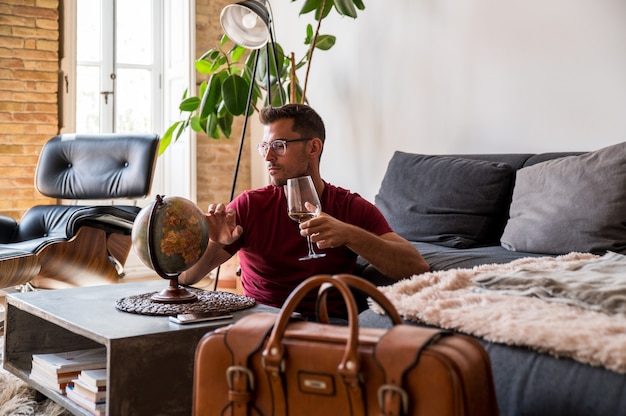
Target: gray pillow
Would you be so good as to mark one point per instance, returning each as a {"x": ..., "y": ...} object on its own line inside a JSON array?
[
  {"x": 575, "y": 203},
  {"x": 445, "y": 200}
]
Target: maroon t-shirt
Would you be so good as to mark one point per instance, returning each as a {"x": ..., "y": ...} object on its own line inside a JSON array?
[{"x": 271, "y": 244}]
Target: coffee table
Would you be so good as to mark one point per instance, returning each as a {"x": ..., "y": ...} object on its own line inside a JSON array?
[{"x": 150, "y": 359}]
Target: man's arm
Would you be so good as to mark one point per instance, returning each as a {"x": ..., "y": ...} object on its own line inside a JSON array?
[
  {"x": 212, "y": 257},
  {"x": 389, "y": 253},
  {"x": 394, "y": 256}
]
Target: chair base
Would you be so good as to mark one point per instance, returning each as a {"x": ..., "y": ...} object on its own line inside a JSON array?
[
  {"x": 17, "y": 267},
  {"x": 91, "y": 258}
]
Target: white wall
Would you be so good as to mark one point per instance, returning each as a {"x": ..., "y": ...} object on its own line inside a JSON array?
[{"x": 474, "y": 76}]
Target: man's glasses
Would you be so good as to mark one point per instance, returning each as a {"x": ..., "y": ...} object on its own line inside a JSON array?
[{"x": 279, "y": 147}]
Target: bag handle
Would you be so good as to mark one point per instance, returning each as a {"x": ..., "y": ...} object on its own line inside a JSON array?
[
  {"x": 361, "y": 285},
  {"x": 348, "y": 368},
  {"x": 274, "y": 350}
]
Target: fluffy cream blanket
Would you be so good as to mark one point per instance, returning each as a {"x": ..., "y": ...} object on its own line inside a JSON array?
[{"x": 450, "y": 299}]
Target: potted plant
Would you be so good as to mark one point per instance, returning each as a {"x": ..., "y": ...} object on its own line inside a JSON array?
[{"x": 224, "y": 95}]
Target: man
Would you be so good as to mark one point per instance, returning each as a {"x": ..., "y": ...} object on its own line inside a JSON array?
[{"x": 269, "y": 243}]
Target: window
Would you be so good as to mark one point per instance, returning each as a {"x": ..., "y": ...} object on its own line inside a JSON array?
[
  {"x": 125, "y": 65},
  {"x": 118, "y": 65}
]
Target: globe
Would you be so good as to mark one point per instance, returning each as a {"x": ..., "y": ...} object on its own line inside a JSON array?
[{"x": 170, "y": 236}]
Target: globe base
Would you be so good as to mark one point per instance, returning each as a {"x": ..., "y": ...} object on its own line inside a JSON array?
[{"x": 174, "y": 294}]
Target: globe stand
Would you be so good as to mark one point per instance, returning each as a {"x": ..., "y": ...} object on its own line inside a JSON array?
[{"x": 174, "y": 293}]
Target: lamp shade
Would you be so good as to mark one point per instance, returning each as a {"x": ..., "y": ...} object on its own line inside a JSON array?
[{"x": 246, "y": 23}]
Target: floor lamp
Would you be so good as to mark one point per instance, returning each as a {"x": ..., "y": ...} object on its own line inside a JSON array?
[{"x": 249, "y": 24}]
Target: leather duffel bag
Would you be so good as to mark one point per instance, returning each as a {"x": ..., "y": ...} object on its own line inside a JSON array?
[{"x": 271, "y": 364}]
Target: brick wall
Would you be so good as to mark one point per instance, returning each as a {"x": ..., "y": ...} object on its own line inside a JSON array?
[
  {"x": 29, "y": 44},
  {"x": 216, "y": 158}
]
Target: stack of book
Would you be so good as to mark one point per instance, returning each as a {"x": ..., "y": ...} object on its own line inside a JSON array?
[
  {"x": 89, "y": 390},
  {"x": 56, "y": 370}
]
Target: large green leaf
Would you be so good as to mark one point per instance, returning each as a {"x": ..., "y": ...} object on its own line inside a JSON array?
[
  {"x": 277, "y": 98},
  {"x": 309, "y": 6},
  {"x": 204, "y": 67},
  {"x": 221, "y": 109},
  {"x": 210, "y": 55},
  {"x": 225, "y": 123},
  {"x": 345, "y": 7},
  {"x": 223, "y": 75},
  {"x": 189, "y": 104},
  {"x": 235, "y": 94},
  {"x": 202, "y": 88},
  {"x": 166, "y": 138},
  {"x": 211, "y": 127},
  {"x": 262, "y": 65},
  {"x": 237, "y": 52},
  {"x": 256, "y": 91},
  {"x": 320, "y": 7},
  {"x": 211, "y": 96},
  {"x": 196, "y": 123},
  {"x": 309, "y": 34},
  {"x": 181, "y": 129},
  {"x": 325, "y": 42},
  {"x": 220, "y": 62},
  {"x": 359, "y": 4},
  {"x": 321, "y": 13}
]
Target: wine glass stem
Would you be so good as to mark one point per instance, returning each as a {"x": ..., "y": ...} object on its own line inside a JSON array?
[{"x": 311, "y": 251}]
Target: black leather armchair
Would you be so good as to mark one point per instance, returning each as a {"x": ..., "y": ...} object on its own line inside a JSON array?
[{"x": 54, "y": 246}]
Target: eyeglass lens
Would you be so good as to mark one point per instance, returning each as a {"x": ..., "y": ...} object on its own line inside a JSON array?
[{"x": 278, "y": 147}]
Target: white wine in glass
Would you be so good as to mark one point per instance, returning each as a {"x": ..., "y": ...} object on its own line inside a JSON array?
[{"x": 301, "y": 191}]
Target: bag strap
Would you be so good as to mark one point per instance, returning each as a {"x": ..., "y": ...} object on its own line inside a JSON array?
[
  {"x": 363, "y": 286},
  {"x": 243, "y": 339},
  {"x": 348, "y": 367},
  {"x": 395, "y": 353}
]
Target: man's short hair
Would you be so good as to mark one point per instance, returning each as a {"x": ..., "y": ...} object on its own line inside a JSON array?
[{"x": 306, "y": 121}]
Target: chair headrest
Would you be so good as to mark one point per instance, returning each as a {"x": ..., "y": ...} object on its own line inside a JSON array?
[{"x": 97, "y": 166}]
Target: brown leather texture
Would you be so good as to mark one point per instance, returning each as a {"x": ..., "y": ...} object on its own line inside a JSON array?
[{"x": 268, "y": 364}]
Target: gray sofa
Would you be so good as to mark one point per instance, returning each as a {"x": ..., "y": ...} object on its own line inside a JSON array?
[{"x": 462, "y": 211}]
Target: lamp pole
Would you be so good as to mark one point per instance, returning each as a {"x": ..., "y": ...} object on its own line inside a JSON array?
[{"x": 248, "y": 24}]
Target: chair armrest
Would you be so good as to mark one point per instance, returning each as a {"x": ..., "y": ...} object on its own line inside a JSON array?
[
  {"x": 110, "y": 218},
  {"x": 8, "y": 227}
]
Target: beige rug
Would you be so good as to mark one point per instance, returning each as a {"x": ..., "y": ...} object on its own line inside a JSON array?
[{"x": 449, "y": 299}]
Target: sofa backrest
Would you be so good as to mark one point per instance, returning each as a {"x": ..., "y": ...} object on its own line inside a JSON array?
[{"x": 459, "y": 200}]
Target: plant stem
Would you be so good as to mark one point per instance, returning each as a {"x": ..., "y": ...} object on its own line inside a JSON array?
[
  {"x": 292, "y": 75},
  {"x": 308, "y": 66}
]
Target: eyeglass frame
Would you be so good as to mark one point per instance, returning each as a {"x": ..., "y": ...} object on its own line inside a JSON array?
[{"x": 264, "y": 147}]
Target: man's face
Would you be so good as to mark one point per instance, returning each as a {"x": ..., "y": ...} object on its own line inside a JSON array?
[{"x": 295, "y": 162}]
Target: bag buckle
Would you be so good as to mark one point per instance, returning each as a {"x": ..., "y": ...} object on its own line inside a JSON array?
[
  {"x": 404, "y": 397},
  {"x": 239, "y": 369},
  {"x": 271, "y": 367}
]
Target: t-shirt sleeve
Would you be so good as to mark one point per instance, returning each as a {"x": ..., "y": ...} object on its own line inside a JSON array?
[{"x": 370, "y": 218}]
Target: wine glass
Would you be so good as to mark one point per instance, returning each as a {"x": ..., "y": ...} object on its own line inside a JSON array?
[{"x": 299, "y": 192}]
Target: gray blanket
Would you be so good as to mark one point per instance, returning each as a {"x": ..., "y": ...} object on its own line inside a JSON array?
[{"x": 598, "y": 285}]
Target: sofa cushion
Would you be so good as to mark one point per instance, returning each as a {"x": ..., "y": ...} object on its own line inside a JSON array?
[
  {"x": 575, "y": 203},
  {"x": 450, "y": 201}
]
